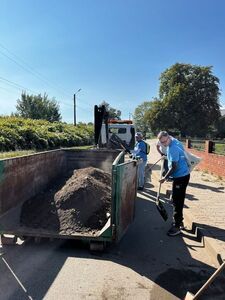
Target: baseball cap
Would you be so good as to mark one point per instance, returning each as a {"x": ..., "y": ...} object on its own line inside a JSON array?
[{"x": 139, "y": 134}]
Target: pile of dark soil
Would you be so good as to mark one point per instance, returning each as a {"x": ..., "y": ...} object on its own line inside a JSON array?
[{"x": 78, "y": 204}]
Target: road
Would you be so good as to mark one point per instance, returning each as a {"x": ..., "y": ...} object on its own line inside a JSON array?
[{"x": 146, "y": 264}]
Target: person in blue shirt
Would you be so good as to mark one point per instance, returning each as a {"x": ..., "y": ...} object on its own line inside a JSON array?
[
  {"x": 140, "y": 152},
  {"x": 180, "y": 174}
]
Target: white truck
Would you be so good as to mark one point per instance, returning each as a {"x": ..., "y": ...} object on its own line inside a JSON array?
[{"x": 106, "y": 129}]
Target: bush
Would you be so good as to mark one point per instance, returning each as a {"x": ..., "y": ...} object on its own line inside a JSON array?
[{"x": 23, "y": 134}]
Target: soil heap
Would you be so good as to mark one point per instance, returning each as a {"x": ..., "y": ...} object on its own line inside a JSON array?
[{"x": 80, "y": 203}]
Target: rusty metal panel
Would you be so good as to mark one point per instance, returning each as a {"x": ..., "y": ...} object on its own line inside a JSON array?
[
  {"x": 23, "y": 177},
  {"x": 98, "y": 158}
]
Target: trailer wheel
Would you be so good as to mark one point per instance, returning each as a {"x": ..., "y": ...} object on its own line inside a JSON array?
[{"x": 97, "y": 246}]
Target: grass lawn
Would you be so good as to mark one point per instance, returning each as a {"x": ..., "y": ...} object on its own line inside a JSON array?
[{"x": 10, "y": 154}]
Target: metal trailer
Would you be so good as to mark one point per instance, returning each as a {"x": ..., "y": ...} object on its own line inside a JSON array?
[{"x": 22, "y": 178}]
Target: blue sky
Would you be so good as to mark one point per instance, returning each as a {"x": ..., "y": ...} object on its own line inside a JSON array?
[{"x": 113, "y": 50}]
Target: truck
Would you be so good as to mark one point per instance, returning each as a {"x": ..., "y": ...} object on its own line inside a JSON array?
[
  {"x": 22, "y": 178},
  {"x": 106, "y": 129}
]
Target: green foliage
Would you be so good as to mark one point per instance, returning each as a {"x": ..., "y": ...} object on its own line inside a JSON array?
[
  {"x": 220, "y": 127},
  {"x": 189, "y": 100},
  {"x": 113, "y": 112},
  {"x": 139, "y": 117},
  {"x": 38, "y": 108},
  {"x": 23, "y": 134},
  {"x": 220, "y": 148}
]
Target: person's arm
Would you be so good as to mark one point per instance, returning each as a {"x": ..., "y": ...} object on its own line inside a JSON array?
[
  {"x": 170, "y": 172},
  {"x": 158, "y": 149}
]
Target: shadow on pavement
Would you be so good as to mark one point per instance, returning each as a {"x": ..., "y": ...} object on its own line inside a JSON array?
[
  {"x": 207, "y": 187},
  {"x": 145, "y": 248}
]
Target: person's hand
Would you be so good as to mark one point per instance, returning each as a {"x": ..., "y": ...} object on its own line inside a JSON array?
[{"x": 162, "y": 180}]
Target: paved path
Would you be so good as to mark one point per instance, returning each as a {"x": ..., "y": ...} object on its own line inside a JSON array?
[{"x": 204, "y": 206}]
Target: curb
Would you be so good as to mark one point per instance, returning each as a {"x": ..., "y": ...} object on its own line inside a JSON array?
[{"x": 208, "y": 242}]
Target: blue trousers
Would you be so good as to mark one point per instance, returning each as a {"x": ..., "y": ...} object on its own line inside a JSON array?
[{"x": 141, "y": 173}]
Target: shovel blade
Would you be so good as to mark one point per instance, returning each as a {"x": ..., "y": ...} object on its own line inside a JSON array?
[{"x": 161, "y": 209}]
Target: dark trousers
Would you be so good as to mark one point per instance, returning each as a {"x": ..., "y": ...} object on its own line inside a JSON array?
[{"x": 178, "y": 195}]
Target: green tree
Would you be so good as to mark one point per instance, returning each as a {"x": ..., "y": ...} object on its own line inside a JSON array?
[
  {"x": 190, "y": 96},
  {"x": 113, "y": 112},
  {"x": 38, "y": 107},
  {"x": 220, "y": 127},
  {"x": 155, "y": 116},
  {"x": 139, "y": 117}
]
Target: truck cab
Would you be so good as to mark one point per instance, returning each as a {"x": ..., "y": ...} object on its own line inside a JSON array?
[
  {"x": 124, "y": 129},
  {"x": 106, "y": 129}
]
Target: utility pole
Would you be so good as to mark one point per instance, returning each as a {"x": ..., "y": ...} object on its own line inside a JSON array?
[{"x": 74, "y": 108}]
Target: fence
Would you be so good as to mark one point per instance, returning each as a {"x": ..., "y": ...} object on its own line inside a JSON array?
[{"x": 212, "y": 162}]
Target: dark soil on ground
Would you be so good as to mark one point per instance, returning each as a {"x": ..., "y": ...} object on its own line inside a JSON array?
[{"x": 80, "y": 203}]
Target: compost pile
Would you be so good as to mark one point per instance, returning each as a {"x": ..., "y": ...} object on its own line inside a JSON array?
[{"x": 79, "y": 203}]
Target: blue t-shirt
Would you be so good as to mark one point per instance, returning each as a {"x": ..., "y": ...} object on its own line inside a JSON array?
[
  {"x": 175, "y": 153},
  {"x": 140, "y": 150}
]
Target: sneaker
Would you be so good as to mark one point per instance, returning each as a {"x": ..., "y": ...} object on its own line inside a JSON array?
[
  {"x": 173, "y": 231},
  {"x": 181, "y": 225}
]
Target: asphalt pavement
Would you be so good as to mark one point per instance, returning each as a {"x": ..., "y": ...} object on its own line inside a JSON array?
[{"x": 145, "y": 264}]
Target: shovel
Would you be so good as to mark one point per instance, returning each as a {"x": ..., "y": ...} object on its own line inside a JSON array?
[
  {"x": 190, "y": 296},
  {"x": 155, "y": 163},
  {"x": 159, "y": 205},
  {"x": 158, "y": 202}
]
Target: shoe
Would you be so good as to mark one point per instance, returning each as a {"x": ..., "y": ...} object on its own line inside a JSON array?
[
  {"x": 181, "y": 225},
  {"x": 140, "y": 188},
  {"x": 173, "y": 231}
]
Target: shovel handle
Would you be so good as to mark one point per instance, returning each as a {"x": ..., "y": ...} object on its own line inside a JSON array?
[
  {"x": 219, "y": 270},
  {"x": 156, "y": 162}
]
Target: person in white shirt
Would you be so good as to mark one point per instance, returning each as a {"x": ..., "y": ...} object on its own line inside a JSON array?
[{"x": 162, "y": 151}]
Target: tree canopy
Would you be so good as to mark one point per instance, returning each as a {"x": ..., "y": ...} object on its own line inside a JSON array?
[
  {"x": 113, "y": 112},
  {"x": 38, "y": 107},
  {"x": 188, "y": 100},
  {"x": 140, "y": 115}
]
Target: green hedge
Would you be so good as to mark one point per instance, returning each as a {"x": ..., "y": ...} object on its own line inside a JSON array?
[{"x": 23, "y": 134}]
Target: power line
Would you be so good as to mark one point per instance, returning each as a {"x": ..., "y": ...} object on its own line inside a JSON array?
[
  {"x": 18, "y": 86},
  {"x": 3, "y": 88},
  {"x": 15, "y": 85},
  {"x": 29, "y": 69}
]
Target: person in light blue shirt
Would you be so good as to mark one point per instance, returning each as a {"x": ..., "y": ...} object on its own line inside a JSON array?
[
  {"x": 179, "y": 172},
  {"x": 175, "y": 153},
  {"x": 140, "y": 152}
]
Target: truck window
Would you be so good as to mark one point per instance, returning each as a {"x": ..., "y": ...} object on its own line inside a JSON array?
[
  {"x": 113, "y": 130},
  {"x": 118, "y": 130},
  {"x": 122, "y": 130}
]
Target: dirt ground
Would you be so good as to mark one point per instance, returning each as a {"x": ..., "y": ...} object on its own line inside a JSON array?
[{"x": 78, "y": 203}]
